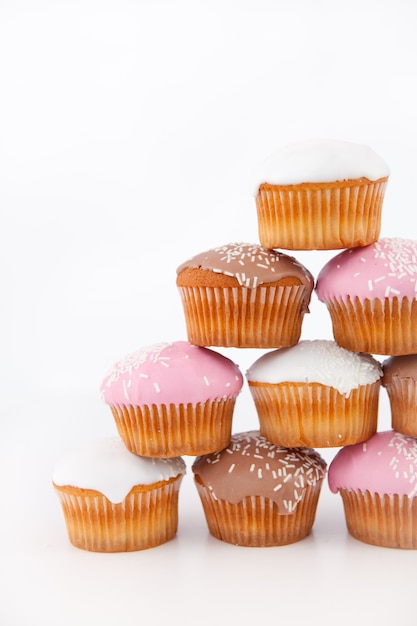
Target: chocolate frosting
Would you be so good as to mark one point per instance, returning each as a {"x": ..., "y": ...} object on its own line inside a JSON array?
[
  {"x": 250, "y": 264},
  {"x": 404, "y": 366},
  {"x": 253, "y": 466}
]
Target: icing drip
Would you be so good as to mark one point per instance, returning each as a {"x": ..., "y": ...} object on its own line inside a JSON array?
[
  {"x": 106, "y": 465},
  {"x": 171, "y": 373},
  {"x": 385, "y": 464},
  {"x": 252, "y": 465},
  {"x": 384, "y": 269},
  {"x": 320, "y": 361},
  {"x": 250, "y": 264},
  {"x": 320, "y": 160},
  {"x": 397, "y": 367}
]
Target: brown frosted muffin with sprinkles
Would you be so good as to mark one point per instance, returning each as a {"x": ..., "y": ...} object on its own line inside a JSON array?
[
  {"x": 242, "y": 295},
  {"x": 255, "y": 493},
  {"x": 400, "y": 381}
]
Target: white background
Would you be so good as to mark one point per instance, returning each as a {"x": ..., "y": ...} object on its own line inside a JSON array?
[{"x": 128, "y": 133}]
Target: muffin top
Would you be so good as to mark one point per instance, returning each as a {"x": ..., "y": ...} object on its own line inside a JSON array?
[
  {"x": 316, "y": 361},
  {"x": 384, "y": 269},
  {"x": 318, "y": 161},
  {"x": 250, "y": 265},
  {"x": 171, "y": 373},
  {"x": 253, "y": 466},
  {"x": 398, "y": 367},
  {"x": 106, "y": 465},
  {"x": 385, "y": 464}
]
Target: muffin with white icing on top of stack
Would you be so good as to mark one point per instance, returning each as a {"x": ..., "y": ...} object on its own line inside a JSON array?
[{"x": 320, "y": 195}]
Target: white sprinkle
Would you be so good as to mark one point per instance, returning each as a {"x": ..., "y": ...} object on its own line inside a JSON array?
[
  {"x": 252, "y": 467},
  {"x": 370, "y": 285},
  {"x": 143, "y": 376},
  {"x": 231, "y": 468},
  {"x": 259, "y": 472},
  {"x": 206, "y": 380},
  {"x": 277, "y": 487},
  {"x": 157, "y": 387}
]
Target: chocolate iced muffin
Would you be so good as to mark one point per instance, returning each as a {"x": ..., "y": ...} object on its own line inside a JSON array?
[
  {"x": 255, "y": 493},
  {"x": 245, "y": 296}
]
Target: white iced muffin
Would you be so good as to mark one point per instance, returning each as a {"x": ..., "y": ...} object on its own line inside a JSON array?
[
  {"x": 320, "y": 195},
  {"x": 116, "y": 501},
  {"x": 316, "y": 394}
]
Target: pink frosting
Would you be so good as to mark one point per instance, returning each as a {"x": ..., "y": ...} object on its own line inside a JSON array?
[
  {"x": 385, "y": 464},
  {"x": 384, "y": 269},
  {"x": 171, "y": 373}
]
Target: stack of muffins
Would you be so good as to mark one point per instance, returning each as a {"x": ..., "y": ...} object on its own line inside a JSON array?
[{"x": 261, "y": 487}]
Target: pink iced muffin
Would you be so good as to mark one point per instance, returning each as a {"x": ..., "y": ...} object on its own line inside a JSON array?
[
  {"x": 377, "y": 480},
  {"x": 173, "y": 399},
  {"x": 371, "y": 295}
]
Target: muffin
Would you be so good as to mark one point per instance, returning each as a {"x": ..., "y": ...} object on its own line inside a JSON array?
[
  {"x": 255, "y": 493},
  {"x": 400, "y": 381},
  {"x": 320, "y": 195},
  {"x": 173, "y": 399},
  {"x": 316, "y": 394},
  {"x": 371, "y": 295},
  {"x": 241, "y": 295},
  {"x": 377, "y": 483},
  {"x": 115, "y": 501}
]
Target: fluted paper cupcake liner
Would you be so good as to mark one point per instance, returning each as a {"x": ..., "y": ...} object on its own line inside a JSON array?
[
  {"x": 263, "y": 317},
  {"x": 388, "y": 521},
  {"x": 386, "y": 327},
  {"x": 175, "y": 430},
  {"x": 146, "y": 518},
  {"x": 312, "y": 216},
  {"x": 256, "y": 521},
  {"x": 402, "y": 396},
  {"x": 314, "y": 415}
]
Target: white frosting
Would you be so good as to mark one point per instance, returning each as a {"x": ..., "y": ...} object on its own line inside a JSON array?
[
  {"x": 107, "y": 466},
  {"x": 318, "y": 161},
  {"x": 320, "y": 361}
]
